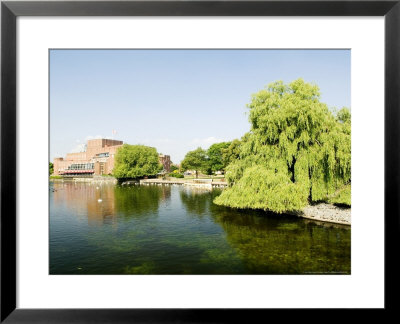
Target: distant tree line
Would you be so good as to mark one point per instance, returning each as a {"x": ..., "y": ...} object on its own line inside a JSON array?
[{"x": 216, "y": 158}]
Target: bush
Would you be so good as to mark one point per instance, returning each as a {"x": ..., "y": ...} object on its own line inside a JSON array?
[{"x": 176, "y": 175}]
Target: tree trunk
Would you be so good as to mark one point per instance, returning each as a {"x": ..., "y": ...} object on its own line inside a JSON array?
[
  {"x": 310, "y": 177},
  {"x": 291, "y": 169}
]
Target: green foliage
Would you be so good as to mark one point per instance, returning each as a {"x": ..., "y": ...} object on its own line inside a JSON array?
[
  {"x": 176, "y": 174},
  {"x": 51, "y": 168},
  {"x": 262, "y": 188},
  {"x": 173, "y": 167},
  {"x": 297, "y": 151},
  {"x": 344, "y": 116},
  {"x": 136, "y": 161},
  {"x": 342, "y": 196},
  {"x": 231, "y": 153},
  {"x": 215, "y": 156},
  {"x": 195, "y": 160}
]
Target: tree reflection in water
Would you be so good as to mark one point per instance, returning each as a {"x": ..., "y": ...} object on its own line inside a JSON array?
[
  {"x": 282, "y": 244},
  {"x": 139, "y": 201},
  {"x": 269, "y": 243},
  {"x": 196, "y": 200}
]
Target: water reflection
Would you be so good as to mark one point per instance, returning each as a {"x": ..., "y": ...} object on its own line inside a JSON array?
[
  {"x": 100, "y": 202},
  {"x": 139, "y": 201},
  {"x": 96, "y": 202},
  {"x": 270, "y": 243},
  {"x": 178, "y": 230},
  {"x": 196, "y": 201},
  {"x": 282, "y": 244}
]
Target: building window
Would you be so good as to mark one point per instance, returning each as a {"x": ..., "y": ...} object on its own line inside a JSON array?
[{"x": 81, "y": 166}]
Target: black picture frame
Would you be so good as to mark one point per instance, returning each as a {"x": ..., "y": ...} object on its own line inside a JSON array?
[{"x": 10, "y": 10}]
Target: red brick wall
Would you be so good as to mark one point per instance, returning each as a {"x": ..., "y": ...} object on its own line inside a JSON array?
[
  {"x": 94, "y": 147},
  {"x": 165, "y": 160}
]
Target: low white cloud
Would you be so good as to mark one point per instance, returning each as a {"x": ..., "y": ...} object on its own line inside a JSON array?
[
  {"x": 81, "y": 145},
  {"x": 206, "y": 142},
  {"x": 79, "y": 148},
  {"x": 90, "y": 137}
]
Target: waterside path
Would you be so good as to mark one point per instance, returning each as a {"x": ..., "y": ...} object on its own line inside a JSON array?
[{"x": 192, "y": 182}]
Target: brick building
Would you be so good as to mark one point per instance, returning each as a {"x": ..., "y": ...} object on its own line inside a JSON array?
[
  {"x": 98, "y": 159},
  {"x": 165, "y": 160}
]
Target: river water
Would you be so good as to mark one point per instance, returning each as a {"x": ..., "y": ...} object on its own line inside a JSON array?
[{"x": 170, "y": 229}]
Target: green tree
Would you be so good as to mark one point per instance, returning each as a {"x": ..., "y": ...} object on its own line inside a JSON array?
[
  {"x": 231, "y": 153},
  {"x": 344, "y": 116},
  {"x": 215, "y": 156},
  {"x": 195, "y": 160},
  {"x": 297, "y": 151},
  {"x": 51, "y": 168},
  {"x": 173, "y": 167},
  {"x": 136, "y": 161}
]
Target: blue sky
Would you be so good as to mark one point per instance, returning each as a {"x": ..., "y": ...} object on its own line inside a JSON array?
[{"x": 175, "y": 100}]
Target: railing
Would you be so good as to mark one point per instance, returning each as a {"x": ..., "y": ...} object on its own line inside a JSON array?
[
  {"x": 201, "y": 181},
  {"x": 76, "y": 171}
]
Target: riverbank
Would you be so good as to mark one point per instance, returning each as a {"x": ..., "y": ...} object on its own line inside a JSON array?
[
  {"x": 327, "y": 213},
  {"x": 203, "y": 183},
  {"x": 95, "y": 179},
  {"x": 320, "y": 212}
]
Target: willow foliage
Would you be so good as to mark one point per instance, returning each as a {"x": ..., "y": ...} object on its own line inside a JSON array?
[{"x": 297, "y": 151}]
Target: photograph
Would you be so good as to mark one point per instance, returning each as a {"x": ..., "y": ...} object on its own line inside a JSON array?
[
  {"x": 192, "y": 161},
  {"x": 199, "y": 161}
]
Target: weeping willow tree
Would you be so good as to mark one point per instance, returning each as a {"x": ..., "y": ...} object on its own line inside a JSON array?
[{"x": 296, "y": 152}]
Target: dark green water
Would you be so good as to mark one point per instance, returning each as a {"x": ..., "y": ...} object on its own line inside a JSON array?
[{"x": 176, "y": 230}]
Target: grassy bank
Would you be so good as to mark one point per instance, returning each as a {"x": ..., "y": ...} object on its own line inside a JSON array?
[{"x": 55, "y": 177}]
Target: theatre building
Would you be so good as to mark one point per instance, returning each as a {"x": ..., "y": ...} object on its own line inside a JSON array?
[{"x": 98, "y": 159}]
